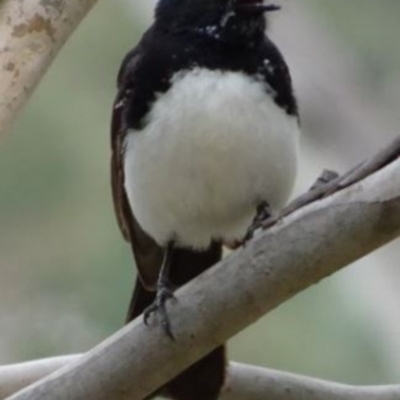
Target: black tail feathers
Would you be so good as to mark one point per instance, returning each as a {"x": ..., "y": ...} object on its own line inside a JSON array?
[{"x": 204, "y": 379}]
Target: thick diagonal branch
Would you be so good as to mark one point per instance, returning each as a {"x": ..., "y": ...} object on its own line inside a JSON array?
[
  {"x": 300, "y": 250},
  {"x": 31, "y": 33}
]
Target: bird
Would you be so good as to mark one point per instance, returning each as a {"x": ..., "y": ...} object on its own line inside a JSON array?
[{"x": 204, "y": 140}]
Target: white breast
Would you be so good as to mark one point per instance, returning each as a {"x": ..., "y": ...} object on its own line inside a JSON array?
[{"x": 214, "y": 146}]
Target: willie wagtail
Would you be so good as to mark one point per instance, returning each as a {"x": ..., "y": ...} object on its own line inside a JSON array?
[{"x": 204, "y": 131}]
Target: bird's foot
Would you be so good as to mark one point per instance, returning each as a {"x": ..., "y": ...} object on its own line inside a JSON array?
[
  {"x": 263, "y": 213},
  {"x": 164, "y": 293}
]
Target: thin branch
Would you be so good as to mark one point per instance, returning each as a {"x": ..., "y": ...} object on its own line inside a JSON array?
[
  {"x": 14, "y": 377},
  {"x": 256, "y": 383},
  {"x": 31, "y": 34},
  {"x": 300, "y": 250},
  {"x": 243, "y": 382}
]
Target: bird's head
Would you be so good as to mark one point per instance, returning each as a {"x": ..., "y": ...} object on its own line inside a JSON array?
[{"x": 230, "y": 20}]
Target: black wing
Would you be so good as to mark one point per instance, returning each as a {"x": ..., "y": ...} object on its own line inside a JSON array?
[
  {"x": 275, "y": 72},
  {"x": 147, "y": 254}
]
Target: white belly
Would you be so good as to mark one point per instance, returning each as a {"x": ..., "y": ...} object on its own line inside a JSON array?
[{"x": 213, "y": 147}]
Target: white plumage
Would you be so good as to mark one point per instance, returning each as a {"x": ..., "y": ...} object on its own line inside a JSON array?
[{"x": 214, "y": 146}]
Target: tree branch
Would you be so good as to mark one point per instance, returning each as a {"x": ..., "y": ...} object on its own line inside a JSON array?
[
  {"x": 14, "y": 377},
  {"x": 297, "y": 252},
  {"x": 246, "y": 382},
  {"x": 243, "y": 382},
  {"x": 31, "y": 34}
]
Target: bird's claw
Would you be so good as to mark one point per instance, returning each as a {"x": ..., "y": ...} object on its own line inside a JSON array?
[
  {"x": 164, "y": 293},
  {"x": 262, "y": 215},
  {"x": 251, "y": 231}
]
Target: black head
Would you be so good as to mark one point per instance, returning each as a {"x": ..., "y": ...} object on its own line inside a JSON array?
[{"x": 227, "y": 20}]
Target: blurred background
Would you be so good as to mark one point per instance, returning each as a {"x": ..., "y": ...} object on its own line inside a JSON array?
[{"x": 65, "y": 271}]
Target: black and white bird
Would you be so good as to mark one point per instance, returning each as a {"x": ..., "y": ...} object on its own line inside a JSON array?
[{"x": 204, "y": 132}]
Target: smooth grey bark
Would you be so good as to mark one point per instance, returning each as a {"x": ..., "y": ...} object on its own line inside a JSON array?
[
  {"x": 14, "y": 377},
  {"x": 31, "y": 34},
  {"x": 243, "y": 382},
  {"x": 254, "y": 383}
]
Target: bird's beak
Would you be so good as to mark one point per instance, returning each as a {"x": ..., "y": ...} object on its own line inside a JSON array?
[{"x": 255, "y": 6}]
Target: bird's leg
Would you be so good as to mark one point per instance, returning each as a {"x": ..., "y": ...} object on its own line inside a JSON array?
[
  {"x": 263, "y": 213},
  {"x": 164, "y": 293}
]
